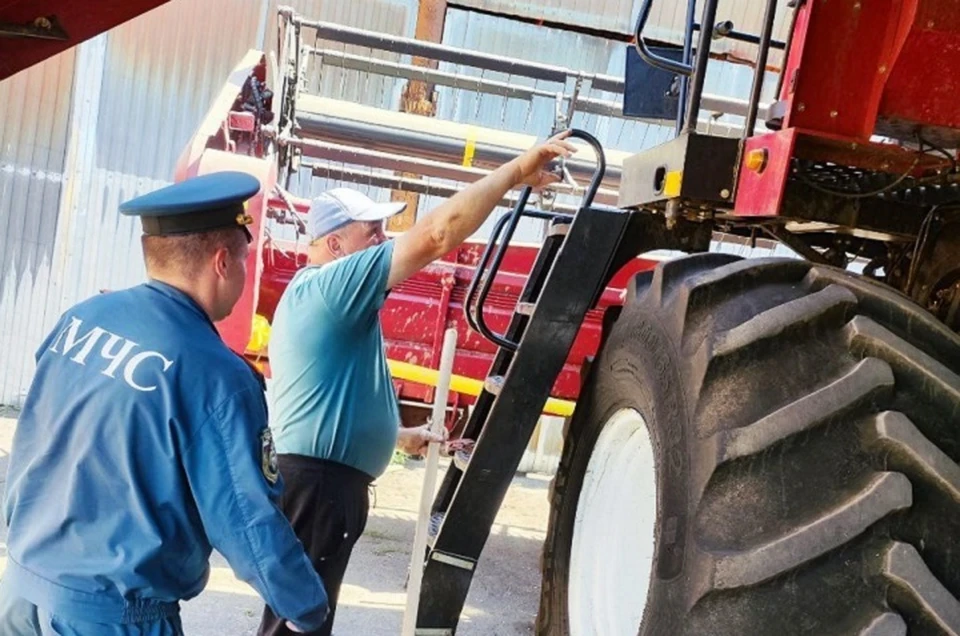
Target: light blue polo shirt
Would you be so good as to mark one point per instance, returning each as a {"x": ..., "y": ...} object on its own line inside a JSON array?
[{"x": 331, "y": 396}]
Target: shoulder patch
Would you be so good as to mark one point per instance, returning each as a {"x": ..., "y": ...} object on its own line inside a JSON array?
[{"x": 268, "y": 457}]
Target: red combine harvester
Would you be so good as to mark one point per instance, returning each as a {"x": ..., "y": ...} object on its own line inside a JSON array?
[
  {"x": 239, "y": 133},
  {"x": 762, "y": 446},
  {"x": 418, "y": 312}
]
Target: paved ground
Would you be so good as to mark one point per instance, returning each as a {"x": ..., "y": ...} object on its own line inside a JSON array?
[{"x": 502, "y": 601}]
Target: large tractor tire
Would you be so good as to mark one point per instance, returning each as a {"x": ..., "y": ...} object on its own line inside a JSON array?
[{"x": 764, "y": 447}]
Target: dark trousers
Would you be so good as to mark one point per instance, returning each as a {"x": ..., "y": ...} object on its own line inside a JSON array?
[{"x": 327, "y": 505}]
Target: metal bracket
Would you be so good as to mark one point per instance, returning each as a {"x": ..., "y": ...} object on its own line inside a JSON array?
[
  {"x": 42, "y": 28},
  {"x": 525, "y": 309},
  {"x": 578, "y": 87},
  {"x": 454, "y": 560},
  {"x": 559, "y": 116}
]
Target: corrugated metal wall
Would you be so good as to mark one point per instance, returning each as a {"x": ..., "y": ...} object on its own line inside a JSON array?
[
  {"x": 34, "y": 111},
  {"x": 512, "y": 38},
  {"x": 146, "y": 86},
  {"x": 396, "y": 17},
  {"x": 111, "y": 116},
  {"x": 666, "y": 22},
  {"x": 608, "y": 15}
]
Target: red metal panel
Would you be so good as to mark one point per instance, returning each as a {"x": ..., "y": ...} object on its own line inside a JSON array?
[
  {"x": 791, "y": 65},
  {"x": 854, "y": 62},
  {"x": 924, "y": 78},
  {"x": 81, "y": 20},
  {"x": 760, "y": 193},
  {"x": 838, "y": 63},
  {"x": 212, "y": 150},
  {"x": 244, "y": 122}
]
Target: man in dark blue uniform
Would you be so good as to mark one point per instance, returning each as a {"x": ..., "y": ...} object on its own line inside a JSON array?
[{"x": 143, "y": 444}]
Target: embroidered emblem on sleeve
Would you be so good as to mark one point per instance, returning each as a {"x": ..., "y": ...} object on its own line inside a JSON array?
[{"x": 268, "y": 457}]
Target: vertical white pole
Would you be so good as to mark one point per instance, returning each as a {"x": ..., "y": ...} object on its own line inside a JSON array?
[{"x": 429, "y": 483}]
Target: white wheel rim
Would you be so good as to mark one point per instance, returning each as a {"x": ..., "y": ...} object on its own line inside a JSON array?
[{"x": 611, "y": 555}]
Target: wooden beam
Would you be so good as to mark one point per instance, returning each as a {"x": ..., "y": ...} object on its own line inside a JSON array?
[{"x": 419, "y": 98}]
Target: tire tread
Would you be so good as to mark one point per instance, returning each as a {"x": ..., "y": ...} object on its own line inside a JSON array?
[
  {"x": 869, "y": 377},
  {"x": 863, "y": 383},
  {"x": 885, "y": 494},
  {"x": 904, "y": 568}
]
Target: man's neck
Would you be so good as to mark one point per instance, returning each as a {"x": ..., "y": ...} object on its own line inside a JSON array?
[
  {"x": 186, "y": 287},
  {"x": 318, "y": 255}
]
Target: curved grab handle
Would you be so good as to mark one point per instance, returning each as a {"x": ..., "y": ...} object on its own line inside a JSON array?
[
  {"x": 648, "y": 56},
  {"x": 481, "y": 323},
  {"x": 473, "y": 311},
  {"x": 507, "y": 225},
  {"x": 598, "y": 172},
  {"x": 468, "y": 303}
]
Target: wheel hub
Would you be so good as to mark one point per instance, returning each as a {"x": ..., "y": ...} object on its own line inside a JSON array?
[{"x": 611, "y": 558}]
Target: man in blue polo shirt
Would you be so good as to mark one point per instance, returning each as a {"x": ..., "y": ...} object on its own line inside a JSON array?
[{"x": 334, "y": 414}]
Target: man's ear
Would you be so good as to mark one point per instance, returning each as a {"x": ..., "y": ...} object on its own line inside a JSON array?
[
  {"x": 221, "y": 261},
  {"x": 334, "y": 245}
]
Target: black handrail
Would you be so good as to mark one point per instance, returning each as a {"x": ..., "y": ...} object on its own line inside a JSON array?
[
  {"x": 599, "y": 172},
  {"x": 480, "y": 322},
  {"x": 476, "y": 319},
  {"x": 766, "y": 35},
  {"x": 726, "y": 30},
  {"x": 687, "y": 58},
  {"x": 468, "y": 302},
  {"x": 649, "y": 56},
  {"x": 488, "y": 251},
  {"x": 700, "y": 67}
]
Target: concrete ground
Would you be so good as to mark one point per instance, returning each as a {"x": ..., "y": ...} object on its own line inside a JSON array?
[{"x": 502, "y": 601}]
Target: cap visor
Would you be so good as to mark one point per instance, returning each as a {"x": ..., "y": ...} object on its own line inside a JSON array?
[{"x": 381, "y": 211}]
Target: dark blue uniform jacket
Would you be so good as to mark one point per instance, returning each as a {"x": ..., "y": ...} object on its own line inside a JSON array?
[{"x": 143, "y": 443}]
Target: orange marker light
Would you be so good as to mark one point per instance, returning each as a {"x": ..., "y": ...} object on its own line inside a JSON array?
[{"x": 757, "y": 160}]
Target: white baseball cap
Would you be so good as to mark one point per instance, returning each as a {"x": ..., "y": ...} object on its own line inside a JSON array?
[{"x": 335, "y": 208}]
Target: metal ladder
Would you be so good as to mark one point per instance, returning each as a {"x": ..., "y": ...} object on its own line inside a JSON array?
[{"x": 570, "y": 272}]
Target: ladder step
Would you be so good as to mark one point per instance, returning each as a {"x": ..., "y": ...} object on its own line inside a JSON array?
[
  {"x": 526, "y": 309},
  {"x": 462, "y": 458},
  {"x": 558, "y": 229},
  {"x": 493, "y": 384}
]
